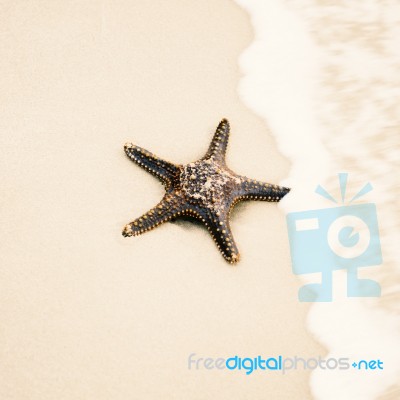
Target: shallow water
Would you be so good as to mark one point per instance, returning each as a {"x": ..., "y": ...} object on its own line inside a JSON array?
[{"x": 324, "y": 77}]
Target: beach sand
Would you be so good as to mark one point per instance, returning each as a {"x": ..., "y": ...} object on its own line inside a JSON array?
[{"x": 85, "y": 312}]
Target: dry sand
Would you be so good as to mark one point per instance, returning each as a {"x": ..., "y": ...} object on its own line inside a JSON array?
[{"x": 86, "y": 313}]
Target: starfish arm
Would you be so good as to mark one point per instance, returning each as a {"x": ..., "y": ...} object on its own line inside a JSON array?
[
  {"x": 219, "y": 142},
  {"x": 220, "y": 231},
  {"x": 250, "y": 189},
  {"x": 170, "y": 207},
  {"x": 165, "y": 171}
]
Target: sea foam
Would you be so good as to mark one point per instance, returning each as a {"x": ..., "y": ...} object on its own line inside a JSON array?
[{"x": 324, "y": 77}]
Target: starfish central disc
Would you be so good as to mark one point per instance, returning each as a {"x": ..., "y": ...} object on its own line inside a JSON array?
[{"x": 207, "y": 183}]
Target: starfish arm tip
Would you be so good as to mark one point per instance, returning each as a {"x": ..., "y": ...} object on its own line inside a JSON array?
[
  {"x": 251, "y": 189},
  {"x": 170, "y": 207},
  {"x": 127, "y": 231},
  {"x": 162, "y": 169},
  {"x": 219, "y": 142},
  {"x": 235, "y": 258},
  {"x": 284, "y": 191},
  {"x": 220, "y": 231}
]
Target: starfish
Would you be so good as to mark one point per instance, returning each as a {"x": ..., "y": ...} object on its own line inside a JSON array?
[{"x": 206, "y": 190}]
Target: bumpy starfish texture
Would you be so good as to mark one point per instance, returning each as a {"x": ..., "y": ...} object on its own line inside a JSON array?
[{"x": 206, "y": 190}]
